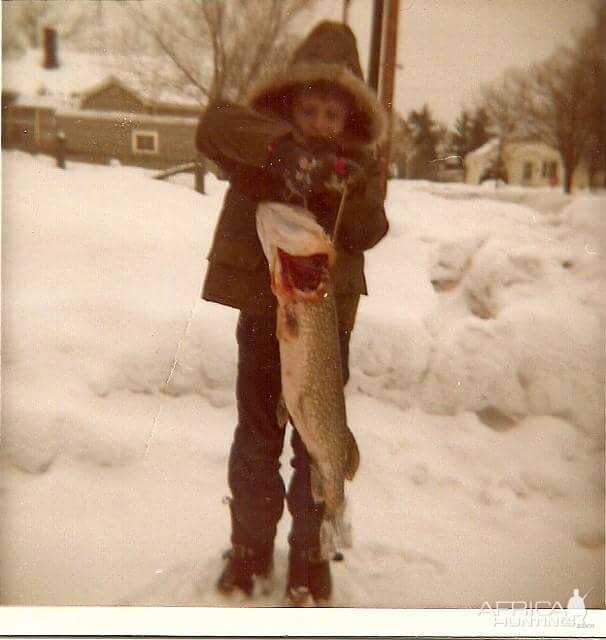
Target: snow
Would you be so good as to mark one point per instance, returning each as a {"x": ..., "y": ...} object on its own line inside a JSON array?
[
  {"x": 80, "y": 73},
  {"x": 76, "y": 72},
  {"x": 476, "y": 396},
  {"x": 486, "y": 150}
]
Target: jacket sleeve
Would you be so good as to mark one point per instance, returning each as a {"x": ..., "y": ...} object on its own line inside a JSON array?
[
  {"x": 237, "y": 139},
  {"x": 363, "y": 222}
]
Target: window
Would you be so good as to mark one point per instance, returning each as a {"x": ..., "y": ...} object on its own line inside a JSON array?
[
  {"x": 550, "y": 169},
  {"x": 145, "y": 141},
  {"x": 527, "y": 174}
]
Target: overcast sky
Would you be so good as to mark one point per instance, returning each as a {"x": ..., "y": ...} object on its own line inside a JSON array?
[{"x": 448, "y": 47}]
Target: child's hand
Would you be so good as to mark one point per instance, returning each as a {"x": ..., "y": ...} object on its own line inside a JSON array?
[
  {"x": 305, "y": 173},
  {"x": 301, "y": 171},
  {"x": 345, "y": 174}
]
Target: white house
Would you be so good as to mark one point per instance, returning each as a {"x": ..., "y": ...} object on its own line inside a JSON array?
[{"x": 532, "y": 164}]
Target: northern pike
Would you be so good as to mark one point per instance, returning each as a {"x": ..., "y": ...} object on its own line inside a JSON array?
[{"x": 299, "y": 255}]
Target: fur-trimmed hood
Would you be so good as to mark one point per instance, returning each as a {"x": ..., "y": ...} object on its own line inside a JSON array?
[{"x": 329, "y": 53}]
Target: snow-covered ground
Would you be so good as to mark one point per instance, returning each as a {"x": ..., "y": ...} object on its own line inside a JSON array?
[{"x": 476, "y": 396}]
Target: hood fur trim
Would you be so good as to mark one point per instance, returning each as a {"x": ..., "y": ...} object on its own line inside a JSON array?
[{"x": 367, "y": 124}]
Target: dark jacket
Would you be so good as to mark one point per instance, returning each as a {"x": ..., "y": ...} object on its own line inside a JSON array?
[{"x": 238, "y": 138}]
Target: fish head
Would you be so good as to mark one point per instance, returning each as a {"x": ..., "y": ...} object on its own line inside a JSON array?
[
  {"x": 298, "y": 251},
  {"x": 300, "y": 278}
]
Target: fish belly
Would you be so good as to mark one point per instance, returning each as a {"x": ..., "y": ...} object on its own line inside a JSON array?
[
  {"x": 299, "y": 256},
  {"x": 312, "y": 387}
]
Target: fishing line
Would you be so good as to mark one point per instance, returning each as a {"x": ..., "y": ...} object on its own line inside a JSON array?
[{"x": 339, "y": 215}]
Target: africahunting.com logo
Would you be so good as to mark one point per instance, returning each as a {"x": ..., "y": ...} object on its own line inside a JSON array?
[{"x": 542, "y": 613}]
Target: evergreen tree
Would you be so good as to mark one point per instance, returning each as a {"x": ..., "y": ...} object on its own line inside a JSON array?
[
  {"x": 470, "y": 132},
  {"x": 479, "y": 134},
  {"x": 462, "y": 134},
  {"x": 425, "y": 133},
  {"x": 401, "y": 147}
]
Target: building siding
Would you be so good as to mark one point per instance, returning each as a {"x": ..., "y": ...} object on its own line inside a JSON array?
[
  {"x": 106, "y": 139},
  {"x": 29, "y": 128},
  {"x": 516, "y": 156},
  {"x": 98, "y": 124},
  {"x": 183, "y": 112}
]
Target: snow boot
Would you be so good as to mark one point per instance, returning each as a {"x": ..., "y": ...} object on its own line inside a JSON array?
[
  {"x": 244, "y": 568},
  {"x": 309, "y": 582}
]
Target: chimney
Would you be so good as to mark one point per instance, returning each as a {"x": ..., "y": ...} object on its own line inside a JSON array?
[{"x": 50, "y": 49}]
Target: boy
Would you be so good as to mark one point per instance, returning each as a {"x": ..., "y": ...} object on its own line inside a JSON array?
[{"x": 304, "y": 136}]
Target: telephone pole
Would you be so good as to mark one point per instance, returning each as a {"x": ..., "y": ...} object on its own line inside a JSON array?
[
  {"x": 388, "y": 73},
  {"x": 376, "y": 40},
  {"x": 345, "y": 15},
  {"x": 388, "y": 76}
]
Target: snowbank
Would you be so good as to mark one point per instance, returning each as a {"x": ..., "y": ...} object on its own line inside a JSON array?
[
  {"x": 509, "y": 329},
  {"x": 476, "y": 395}
]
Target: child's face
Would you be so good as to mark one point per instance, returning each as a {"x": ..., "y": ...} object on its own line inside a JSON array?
[{"x": 319, "y": 116}]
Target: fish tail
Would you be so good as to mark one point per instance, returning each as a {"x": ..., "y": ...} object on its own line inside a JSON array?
[
  {"x": 316, "y": 483},
  {"x": 335, "y": 532}
]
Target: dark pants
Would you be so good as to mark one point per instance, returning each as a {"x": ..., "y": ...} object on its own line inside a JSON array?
[{"x": 254, "y": 467}]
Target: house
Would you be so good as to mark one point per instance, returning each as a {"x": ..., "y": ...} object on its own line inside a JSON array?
[
  {"x": 520, "y": 162},
  {"x": 102, "y": 113}
]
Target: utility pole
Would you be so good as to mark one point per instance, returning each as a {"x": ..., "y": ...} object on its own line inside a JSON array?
[
  {"x": 388, "y": 73},
  {"x": 345, "y": 16},
  {"x": 374, "y": 64}
]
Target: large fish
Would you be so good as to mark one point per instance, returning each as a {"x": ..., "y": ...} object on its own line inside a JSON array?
[{"x": 299, "y": 254}]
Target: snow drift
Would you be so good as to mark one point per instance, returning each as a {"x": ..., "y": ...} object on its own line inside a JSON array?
[{"x": 476, "y": 395}]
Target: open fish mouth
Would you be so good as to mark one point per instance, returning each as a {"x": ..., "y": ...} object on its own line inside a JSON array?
[{"x": 301, "y": 278}]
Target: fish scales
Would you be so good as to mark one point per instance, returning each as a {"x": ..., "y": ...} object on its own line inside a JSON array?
[
  {"x": 307, "y": 329},
  {"x": 313, "y": 392}
]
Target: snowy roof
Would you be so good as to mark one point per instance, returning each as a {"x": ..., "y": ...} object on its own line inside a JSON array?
[
  {"x": 487, "y": 149},
  {"x": 528, "y": 147},
  {"x": 78, "y": 73},
  {"x": 45, "y": 101}
]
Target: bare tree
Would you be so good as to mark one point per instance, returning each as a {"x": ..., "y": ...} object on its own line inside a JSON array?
[
  {"x": 503, "y": 103},
  {"x": 559, "y": 96},
  {"x": 215, "y": 49},
  {"x": 593, "y": 48},
  {"x": 558, "y": 101}
]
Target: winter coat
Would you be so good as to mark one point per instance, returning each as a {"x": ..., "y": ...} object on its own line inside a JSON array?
[{"x": 237, "y": 139}]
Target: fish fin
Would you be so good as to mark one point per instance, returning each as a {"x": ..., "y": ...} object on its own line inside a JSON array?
[
  {"x": 342, "y": 525},
  {"x": 328, "y": 539},
  {"x": 353, "y": 456},
  {"x": 281, "y": 413},
  {"x": 316, "y": 483},
  {"x": 280, "y": 323},
  {"x": 287, "y": 325},
  {"x": 332, "y": 486}
]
